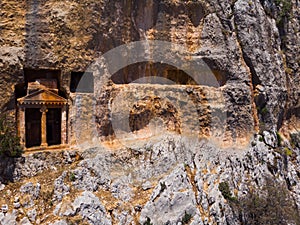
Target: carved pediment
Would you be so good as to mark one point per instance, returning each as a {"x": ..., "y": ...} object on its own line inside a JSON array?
[{"x": 42, "y": 97}]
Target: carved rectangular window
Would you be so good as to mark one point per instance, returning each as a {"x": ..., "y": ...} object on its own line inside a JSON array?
[
  {"x": 32, "y": 75},
  {"x": 82, "y": 82}
]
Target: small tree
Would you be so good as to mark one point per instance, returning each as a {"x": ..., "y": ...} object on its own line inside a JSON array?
[
  {"x": 273, "y": 204},
  {"x": 9, "y": 141}
]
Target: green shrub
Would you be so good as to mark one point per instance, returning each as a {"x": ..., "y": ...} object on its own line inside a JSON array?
[
  {"x": 272, "y": 204},
  {"x": 285, "y": 12},
  {"x": 264, "y": 111},
  {"x": 285, "y": 8},
  {"x": 147, "y": 222},
  {"x": 9, "y": 141},
  {"x": 279, "y": 139},
  {"x": 186, "y": 218},
  {"x": 288, "y": 151},
  {"x": 72, "y": 177},
  {"x": 225, "y": 190}
]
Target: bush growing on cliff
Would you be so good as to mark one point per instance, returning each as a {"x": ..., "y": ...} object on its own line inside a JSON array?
[
  {"x": 9, "y": 141},
  {"x": 285, "y": 8},
  {"x": 295, "y": 139},
  {"x": 272, "y": 204},
  {"x": 225, "y": 190},
  {"x": 186, "y": 218},
  {"x": 148, "y": 222}
]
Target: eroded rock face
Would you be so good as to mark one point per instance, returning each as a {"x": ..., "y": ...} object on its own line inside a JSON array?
[
  {"x": 169, "y": 181},
  {"x": 252, "y": 49},
  {"x": 171, "y": 200},
  {"x": 247, "y": 45}
]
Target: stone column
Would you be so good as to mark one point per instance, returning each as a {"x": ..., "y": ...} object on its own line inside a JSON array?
[
  {"x": 21, "y": 126},
  {"x": 44, "y": 111},
  {"x": 64, "y": 125}
]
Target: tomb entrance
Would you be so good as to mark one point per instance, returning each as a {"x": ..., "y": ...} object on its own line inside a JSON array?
[{"x": 42, "y": 115}]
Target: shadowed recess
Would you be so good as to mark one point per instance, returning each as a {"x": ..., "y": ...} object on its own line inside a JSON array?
[
  {"x": 31, "y": 75},
  {"x": 150, "y": 108},
  {"x": 144, "y": 70}
]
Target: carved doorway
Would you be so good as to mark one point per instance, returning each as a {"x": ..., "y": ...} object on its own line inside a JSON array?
[
  {"x": 54, "y": 126},
  {"x": 33, "y": 127}
]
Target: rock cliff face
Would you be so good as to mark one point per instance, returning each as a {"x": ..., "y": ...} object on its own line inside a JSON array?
[
  {"x": 253, "y": 45},
  {"x": 171, "y": 180},
  {"x": 252, "y": 49}
]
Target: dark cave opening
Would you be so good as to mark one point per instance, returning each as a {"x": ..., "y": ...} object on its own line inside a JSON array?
[{"x": 82, "y": 82}]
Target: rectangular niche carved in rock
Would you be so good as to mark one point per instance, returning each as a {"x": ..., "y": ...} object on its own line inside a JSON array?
[
  {"x": 32, "y": 75},
  {"x": 82, "y": 82},
  {"x": 33, "y": 127},
  {"x": 54, "y": 126}
]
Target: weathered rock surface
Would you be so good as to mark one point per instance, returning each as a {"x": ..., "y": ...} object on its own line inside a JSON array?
[
  {"x": 171, "y": 199},
  {"x": 88, "y": 206},
  {"x": 247, "y": 45},
  {"x": 252, "y": 48},
  {"x": 170, "y": 181}
]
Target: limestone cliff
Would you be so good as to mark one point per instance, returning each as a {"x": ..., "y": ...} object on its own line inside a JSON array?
[
  {"x": 171, "y": 180},
  {"x": 253, "y": 45},
  {"x": 252, "y": 49}
]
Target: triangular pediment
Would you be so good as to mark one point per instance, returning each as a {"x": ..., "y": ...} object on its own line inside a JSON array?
[{"x": 43, "y": 97}]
